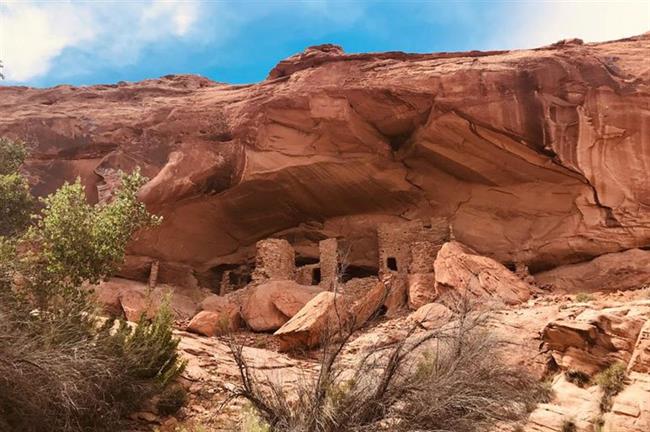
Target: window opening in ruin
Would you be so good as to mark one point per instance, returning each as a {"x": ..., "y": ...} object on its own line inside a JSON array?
[
  {"x": 391, "y": 263},
  {"x": 315, "y": 276},
  {"x": 353, "y": 271},
  {"x": 305, "y": 260}
]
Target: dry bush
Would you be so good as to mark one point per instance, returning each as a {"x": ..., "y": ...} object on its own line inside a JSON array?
[
  {"x": 448, "y": 379},
  {"x": 56, "y": 376}
]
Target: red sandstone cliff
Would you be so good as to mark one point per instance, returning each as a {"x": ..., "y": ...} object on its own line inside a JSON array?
[{"x": 540, "y": 156}]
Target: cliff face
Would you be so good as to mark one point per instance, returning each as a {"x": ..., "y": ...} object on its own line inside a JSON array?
[{"x": 537, "y": 156}]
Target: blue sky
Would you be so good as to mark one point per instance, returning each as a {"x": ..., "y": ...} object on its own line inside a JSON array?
[{"x": 45, "y": 43}]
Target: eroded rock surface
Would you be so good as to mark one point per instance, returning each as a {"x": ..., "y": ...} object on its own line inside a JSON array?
[
  {"x": 269, "y": 305},
  {"x": 535, "y": 156},
  {"x": 461, "y": 272}
]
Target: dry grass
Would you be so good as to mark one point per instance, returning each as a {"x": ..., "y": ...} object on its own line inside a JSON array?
[
  {"x": 56, "y": 376},
  {"x": 449, "y": 379}
]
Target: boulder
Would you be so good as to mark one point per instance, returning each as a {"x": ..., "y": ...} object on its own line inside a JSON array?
[
  {"x": 135, "y": 304},
  {"x": 208, "y": 323},
  {"x": 132, "y": 299},
  {"x": 432, "y": 315},
  {"x": 369, "y": 304},
  {"x": 609, "y": 272},
  {"x": 461, "y": 271},
  {"x": 396, "y": 298},
  {"x": 321, "y": 318},
  {"x": 421, "y": 289},
  {"x": 269, "y": 305},
  {"x": 594, "y": 339}
]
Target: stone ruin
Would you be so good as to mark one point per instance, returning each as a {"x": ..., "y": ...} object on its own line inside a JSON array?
[
  {"x": 409, "y": 247},
  {"x": 406, "y": 251},
  {"x": 275, "y": 260}
]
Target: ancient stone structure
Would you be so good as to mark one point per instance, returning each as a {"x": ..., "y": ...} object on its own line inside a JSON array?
[
  {"x": 329, "y": 262},
  {"x": 275, "y": 260},
  {"x": 546, "y": 150},
  {"x": 153, "y": 274},
  {"x": 400, "y": 244}
]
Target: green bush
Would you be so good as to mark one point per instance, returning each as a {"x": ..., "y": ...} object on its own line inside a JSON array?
[
  {"x": 17, "y": 202},
  {"x": 611, "y": 381},
  {"x": 60, "y": 370}
]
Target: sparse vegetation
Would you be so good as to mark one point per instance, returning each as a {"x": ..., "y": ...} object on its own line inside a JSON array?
[
  {"x": 612, "y": 382},
  {"x": 584, "y": 298},
  {"x": 171, "y": 399},
  {"x": 447, "y": 379},
  {"x": 569, "y": 426},
  {"x": 61, "y": 370},
  {"x": 577, "y": 377}
]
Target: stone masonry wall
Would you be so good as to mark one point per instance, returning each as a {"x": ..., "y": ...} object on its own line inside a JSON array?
[{"x": 274, "y": 260}]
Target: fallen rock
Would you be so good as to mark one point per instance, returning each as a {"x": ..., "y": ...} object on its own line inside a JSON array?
[
  {"x": 593, "y": 340},
  {"x": 135, "y": 304},
  {"x": 461, "y": 271},
  {"x": 136, "y": 299},
  {"x": 320, "y": 319},
  {"x": 421, "y": 289},
  {"x": 397, "y": 296},
  {"x": 369, "y": 304},
  {"x": 432, "y": 315},
  {"x": 270, "y": 305},
  {"x": 609, "y": 272},
  {"x": 208, "y": 323}
]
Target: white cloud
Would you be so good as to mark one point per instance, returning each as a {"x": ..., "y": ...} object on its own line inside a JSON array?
[
  {"x": 543, "y": 23},
  {"x": 33, "y": 34}
]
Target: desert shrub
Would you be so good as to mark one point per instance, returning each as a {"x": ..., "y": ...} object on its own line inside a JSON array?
[
  {"x": 611, "y": 381},
  {"x": 68, "y": 380},
  {"x": 459, "y": 383},
  {"x": 584, "y": 298},
  {"x": 171, "y": 400},
  {"x": 148, "y": 350},
  {"x": 60, "y": 370},
  {"x": 577, "y": 377},
  {"x": 569, "y": 426}
]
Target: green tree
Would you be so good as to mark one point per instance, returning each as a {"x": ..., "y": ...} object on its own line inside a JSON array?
[
  {"x": 78, "y": 242},
  {"x": 16, "y": 202},
  {"x": 60, "y": 370}
]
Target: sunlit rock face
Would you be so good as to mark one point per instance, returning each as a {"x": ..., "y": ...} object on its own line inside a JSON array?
[{"x": 540, "y": 156}]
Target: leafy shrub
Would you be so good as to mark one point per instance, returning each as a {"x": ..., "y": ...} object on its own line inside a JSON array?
[
  {"x": 79, "y": 242},
  {"x": 60, "y": 370},
  {"x": 17, "y": 202},
  {"x": 611, "y": 381}
]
